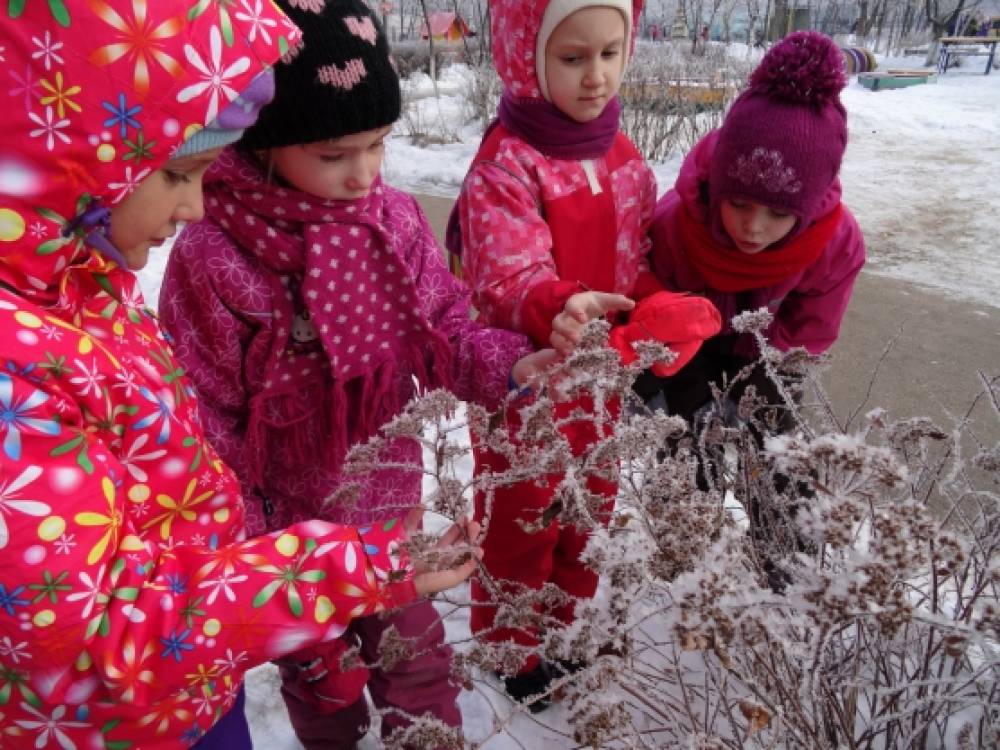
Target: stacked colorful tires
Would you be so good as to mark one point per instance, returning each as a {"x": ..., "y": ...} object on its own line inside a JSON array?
[{"x": 858, "y": 60}]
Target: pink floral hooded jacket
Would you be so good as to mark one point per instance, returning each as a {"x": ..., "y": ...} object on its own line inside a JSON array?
[
  {"x": 808, "y": 307},
  {"x": 130, "y": 606},
  {"x": 507, "y": 245}
]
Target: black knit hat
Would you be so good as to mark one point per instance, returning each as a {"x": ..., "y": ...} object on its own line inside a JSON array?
[{"x": 339, "y": 80}]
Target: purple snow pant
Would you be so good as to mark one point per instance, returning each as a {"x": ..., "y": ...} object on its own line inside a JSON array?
[
  {"x": 231, "y": 732},
  {"x": 418, "y": 686}
]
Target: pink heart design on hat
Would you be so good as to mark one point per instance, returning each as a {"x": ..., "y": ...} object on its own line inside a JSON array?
[
  {"x": 362, "y": 28},
  {"x": 345, "y": 78}
]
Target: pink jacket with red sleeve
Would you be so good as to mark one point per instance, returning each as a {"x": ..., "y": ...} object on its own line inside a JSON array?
[
  {"x": 808, "y": 307},
  {"x": 536, "y": 230}
]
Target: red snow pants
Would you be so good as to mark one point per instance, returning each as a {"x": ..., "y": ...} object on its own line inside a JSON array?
[{"x": 530, "y": 560}]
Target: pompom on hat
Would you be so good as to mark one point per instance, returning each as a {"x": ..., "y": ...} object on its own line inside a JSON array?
[
  {"x": 337, "y": 82},
  {"x": 783, "y": 140}
]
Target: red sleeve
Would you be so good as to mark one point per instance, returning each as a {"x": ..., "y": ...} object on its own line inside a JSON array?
[
  {"x": 646, "y": 285},
  {"x": 543, "y": 302}
]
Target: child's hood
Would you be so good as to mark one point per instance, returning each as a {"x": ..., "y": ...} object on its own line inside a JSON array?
[
  {"x": 515, "y": 25},
  {"x": 692, "y": 181},
  {"x": 103, "y": 93}
]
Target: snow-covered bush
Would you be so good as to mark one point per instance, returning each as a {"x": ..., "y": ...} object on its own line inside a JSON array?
[
  {"x": 671, "y": 98},
  {"x": 481, "y": 94},
  {"x": 804, "y": 588}
]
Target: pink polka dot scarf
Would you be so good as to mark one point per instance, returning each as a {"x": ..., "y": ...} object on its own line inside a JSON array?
[{"x": 338, "y": 268}]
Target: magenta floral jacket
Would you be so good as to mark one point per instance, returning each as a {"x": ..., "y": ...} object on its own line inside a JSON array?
[{"x": 218, "y": 302}]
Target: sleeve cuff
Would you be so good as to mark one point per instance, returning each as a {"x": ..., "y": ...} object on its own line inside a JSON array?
[
  {"x": 541, "y": 305},
  {"x": 646, "y": 285},
  {"x": 399, "y": 594}
]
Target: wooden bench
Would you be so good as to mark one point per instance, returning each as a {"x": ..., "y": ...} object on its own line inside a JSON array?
[
  {"x": 896, "y": 78},
  {"x": 965, "y": 46}
]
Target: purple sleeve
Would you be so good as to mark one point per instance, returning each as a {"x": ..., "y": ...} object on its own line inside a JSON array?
[
  {"x": 810, "y": 316},
  {"x": 197, "y": 309},
  {"x": 482, "y": 357}
]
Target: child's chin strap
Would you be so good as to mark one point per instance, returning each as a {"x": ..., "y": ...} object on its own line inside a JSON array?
[{"x": 94, "y": 222}]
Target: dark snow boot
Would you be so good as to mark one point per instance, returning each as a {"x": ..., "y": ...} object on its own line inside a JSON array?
[
  {"x": 565, "y": 667},
  {"x": 524, "y": 687}
]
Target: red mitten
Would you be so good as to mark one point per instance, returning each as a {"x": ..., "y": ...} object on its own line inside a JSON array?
[{"x": 678, "y": 321}]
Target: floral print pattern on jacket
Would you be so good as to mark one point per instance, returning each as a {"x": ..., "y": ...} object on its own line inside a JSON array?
[{"x": 130, "y": 603}]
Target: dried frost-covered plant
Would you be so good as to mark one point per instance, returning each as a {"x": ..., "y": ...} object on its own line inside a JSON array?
[{"x": 769, "y": 578}]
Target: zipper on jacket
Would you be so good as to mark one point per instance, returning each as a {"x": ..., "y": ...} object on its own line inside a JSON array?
[
  {"x": 591, "y": 172},
  {"x": 265, "y": 501}
]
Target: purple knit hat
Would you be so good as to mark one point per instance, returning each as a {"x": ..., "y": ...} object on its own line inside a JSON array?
[{"x": 783, "y": 139}]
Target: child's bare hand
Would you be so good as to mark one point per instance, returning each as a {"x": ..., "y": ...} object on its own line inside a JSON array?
[
  {"x": 528, "y": 369},
  {"x": 580, "y": 309},
  {"x": 458, "y": 557}
]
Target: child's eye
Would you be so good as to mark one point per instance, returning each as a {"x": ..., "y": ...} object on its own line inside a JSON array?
[
  {"x": 610, "y": 54},
  {"x": 377, "y": 146},
  {"x": 779, "y": 214},
  {"x": 738, "y": 204},
  {"x": 570, "y": 59},
  {"x": 330, "y": 158},
  {"x": 175, "y": 178}
]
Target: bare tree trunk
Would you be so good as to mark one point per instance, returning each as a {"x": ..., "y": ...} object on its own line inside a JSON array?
[
  {"x": 767, "y": 20},
  {"x": 939, "y": 20},
  {"x": 487, "y": 43},
  {"x": 835, "y": 21},
  {"x": 465, "y": 41},
  {"x": 430, "y": 46},
  {"x": 879, "y": 20}
]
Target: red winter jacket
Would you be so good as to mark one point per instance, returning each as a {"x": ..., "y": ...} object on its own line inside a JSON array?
[{"x": 536, "y": 230}]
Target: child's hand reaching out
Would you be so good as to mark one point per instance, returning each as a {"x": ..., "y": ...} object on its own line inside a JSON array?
[
  {"x": 529, "y": 368},
  {"x": 455, "y": 556},
  {"x": 579, "y": 310}
]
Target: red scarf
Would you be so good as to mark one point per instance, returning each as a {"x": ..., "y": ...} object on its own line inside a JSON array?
[{"x": 729, "y": 270}]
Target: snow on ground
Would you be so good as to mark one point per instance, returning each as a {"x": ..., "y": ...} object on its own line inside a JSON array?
[{"x": 921, "y": 176}]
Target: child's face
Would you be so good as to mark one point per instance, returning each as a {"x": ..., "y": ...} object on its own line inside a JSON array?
[
  {"x": 151, "y": 212},
  {"x": 753, "y": 226},
  {"x": 339, "y": 169},
  {"x": 584, "y": 59}
]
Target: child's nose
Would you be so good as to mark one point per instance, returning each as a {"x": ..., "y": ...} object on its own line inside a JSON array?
[
  {"x": 594, "y": 75},
  {"x": 755, "y": 221},
  {"x": 190, "y": 207},
  {"x": 362, "y": 175}
]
